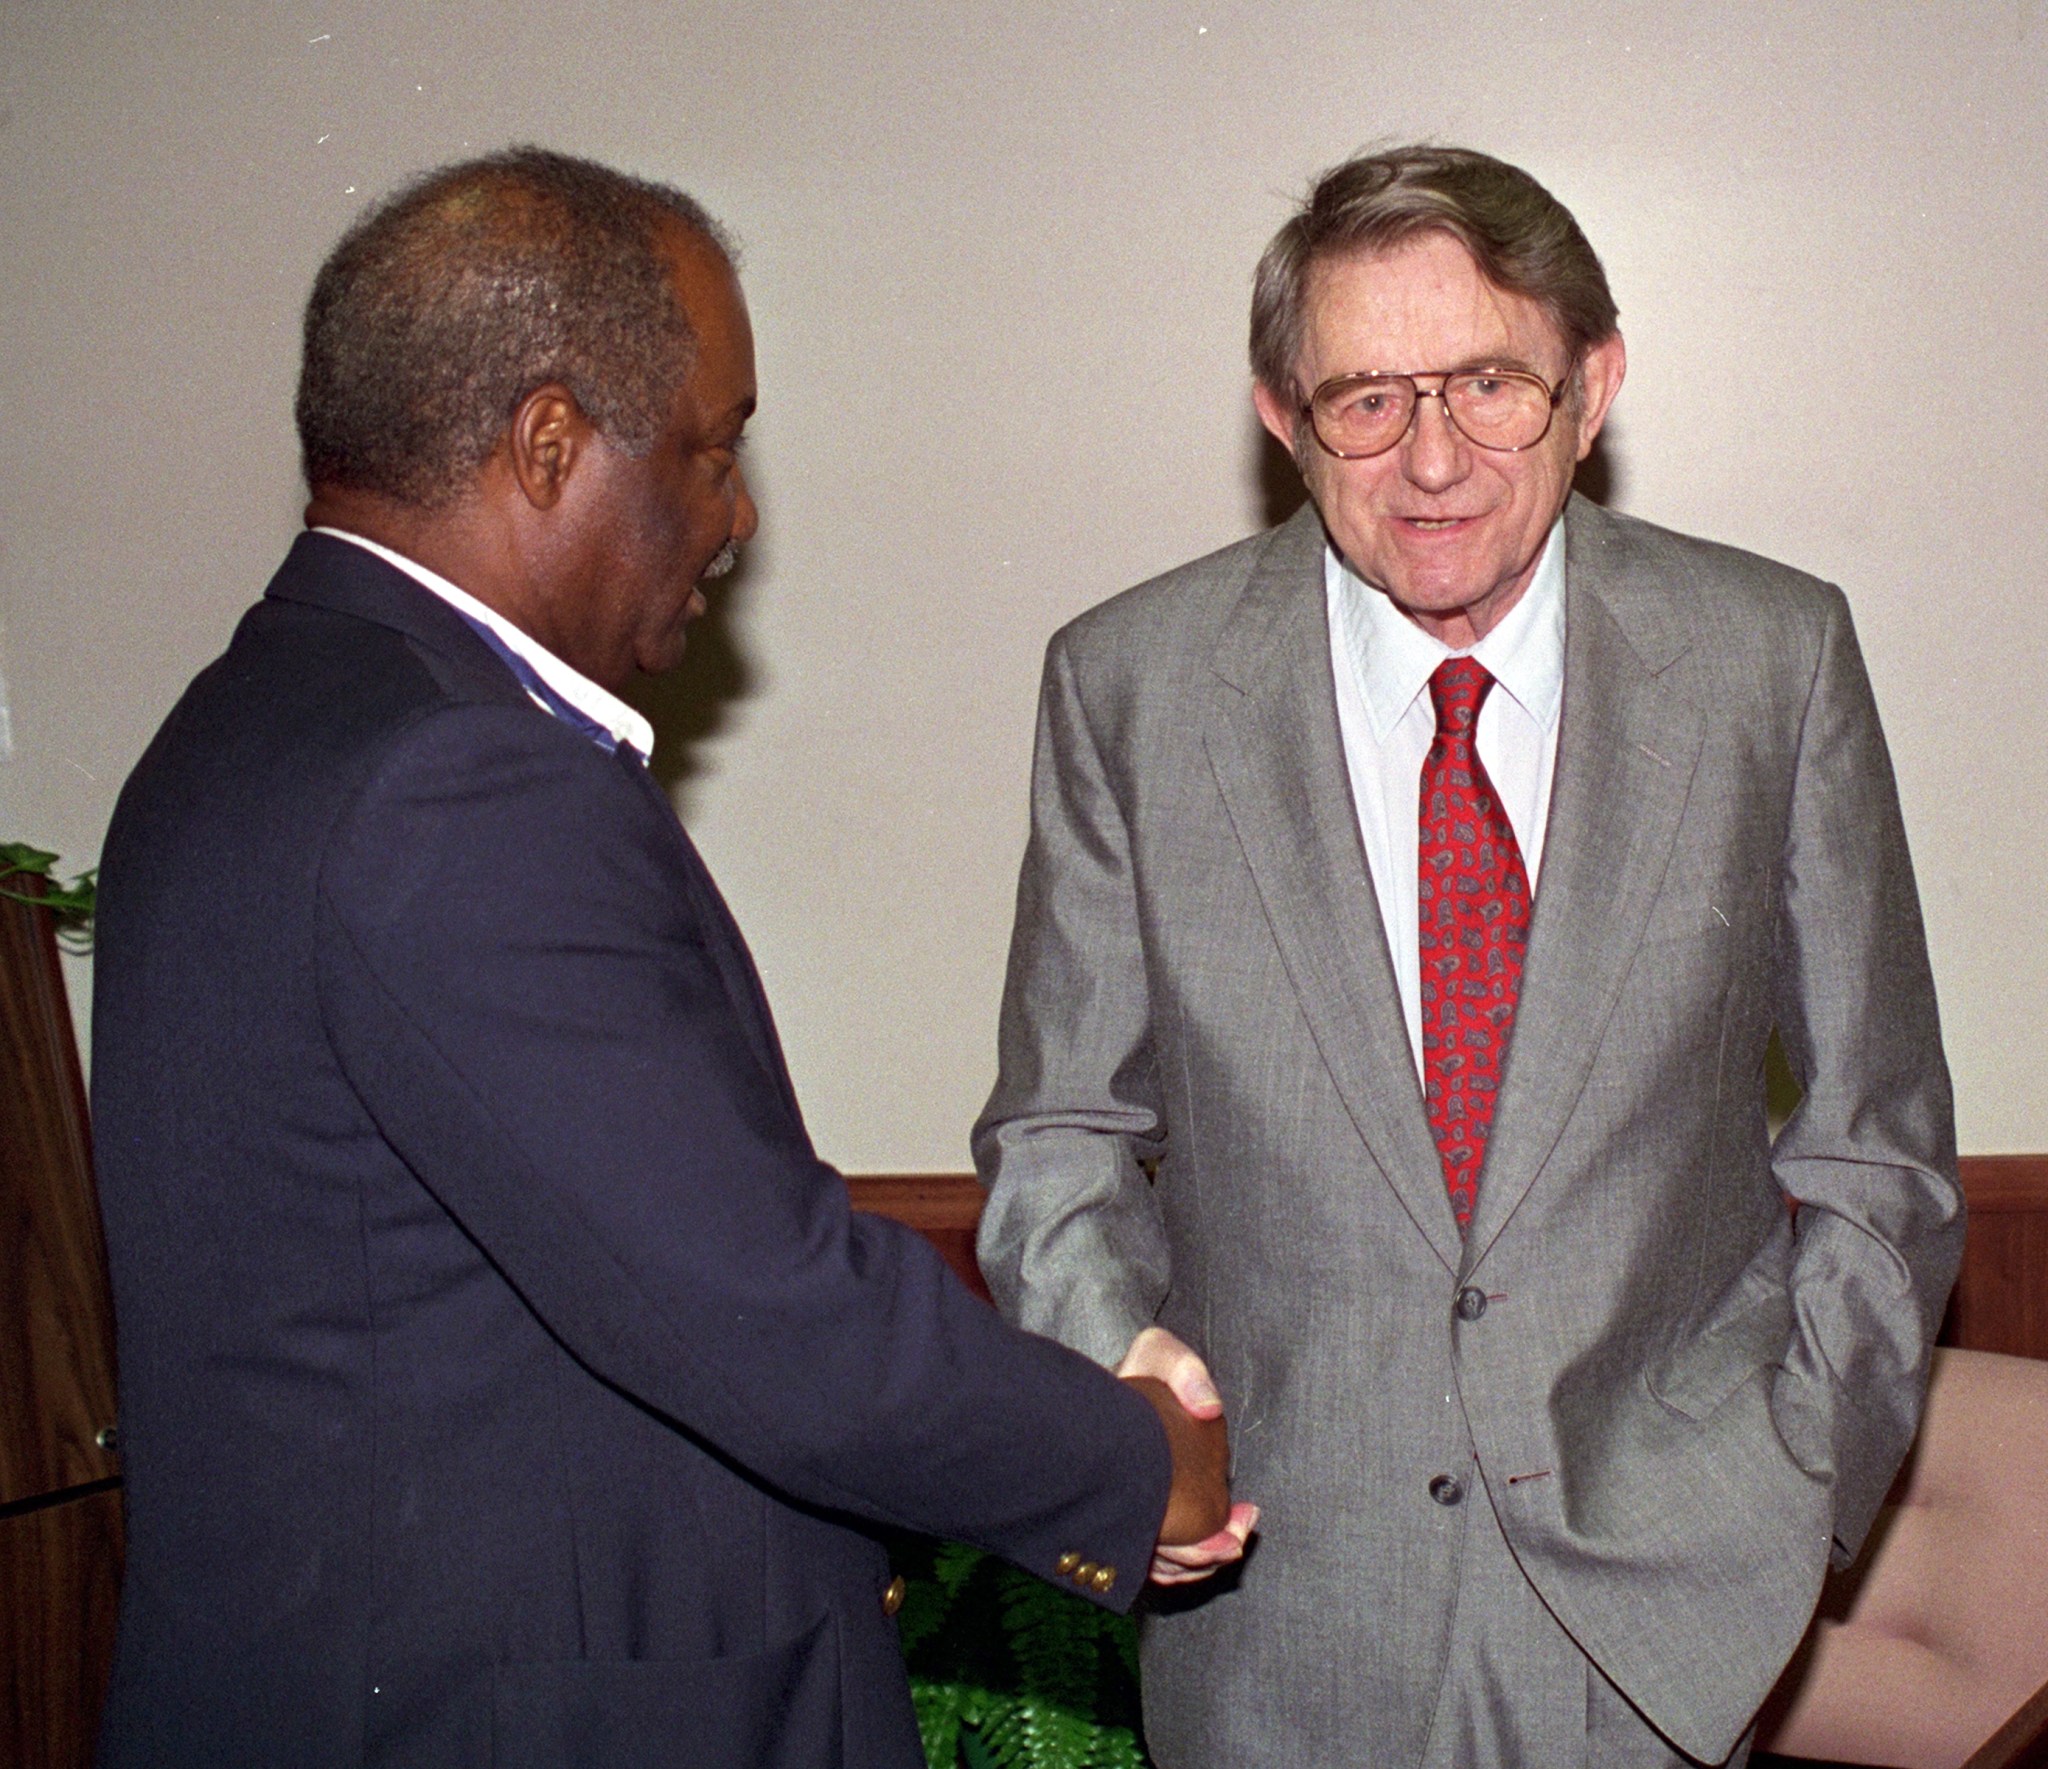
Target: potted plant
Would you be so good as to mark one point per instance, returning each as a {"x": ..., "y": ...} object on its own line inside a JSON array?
[
  {"x": 27, "y": 875},
  {"x": 1008, "y": 1673}
]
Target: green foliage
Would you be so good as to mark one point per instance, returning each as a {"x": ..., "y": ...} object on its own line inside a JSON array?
[
  {"x": 72, "y": 904},
  {"x": 1009, "y": 1673}
]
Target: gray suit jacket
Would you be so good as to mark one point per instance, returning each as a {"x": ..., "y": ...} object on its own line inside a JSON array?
[{"x": 1678, "y": 1400}]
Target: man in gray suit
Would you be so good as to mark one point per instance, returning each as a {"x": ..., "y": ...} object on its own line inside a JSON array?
[{"x": 1412, "y": 892}]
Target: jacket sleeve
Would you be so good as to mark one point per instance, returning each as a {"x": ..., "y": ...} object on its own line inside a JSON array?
[
  {"x": 520, "y": 985},
  {"x": 1869, "y": 1152},
  {"x": 1071, "y": 1239}
]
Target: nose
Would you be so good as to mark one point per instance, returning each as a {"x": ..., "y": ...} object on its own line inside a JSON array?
[
  {"x": 746, "y": 520},
  {"x": 1434, "y": 455}
]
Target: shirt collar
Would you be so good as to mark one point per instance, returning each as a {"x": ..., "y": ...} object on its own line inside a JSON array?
[
  {"x": 1392, "y": 658},
  {"x": 595, "y": 703}
]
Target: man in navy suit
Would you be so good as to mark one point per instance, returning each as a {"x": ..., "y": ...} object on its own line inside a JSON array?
[{"x": 504, "y": 1379}]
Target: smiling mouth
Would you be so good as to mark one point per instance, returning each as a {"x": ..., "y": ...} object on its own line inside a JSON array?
[{"x": 1430, "y": 524}]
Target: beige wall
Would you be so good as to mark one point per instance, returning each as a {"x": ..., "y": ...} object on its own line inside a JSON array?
[{"x": 998, "y": 256}]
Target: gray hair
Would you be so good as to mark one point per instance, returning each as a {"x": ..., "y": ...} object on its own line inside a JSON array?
[
  {"x": 1521, "y": 237},
  {"x": 449, "y": 302}
]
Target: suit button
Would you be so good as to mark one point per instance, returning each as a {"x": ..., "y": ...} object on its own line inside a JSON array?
[
  {"x": 1447, "y": 1489},
  {"x": 1066, "y": 1563},
  {"x": 1471, "y": 1303},
  {"x": 1084, "y": 1572},
  {"x": 1105, "y": 1576},
  {"x": 892, "y": 1598}
]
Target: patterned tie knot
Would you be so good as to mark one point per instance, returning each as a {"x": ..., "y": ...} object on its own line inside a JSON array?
[{"x": 1458, "y": 688}]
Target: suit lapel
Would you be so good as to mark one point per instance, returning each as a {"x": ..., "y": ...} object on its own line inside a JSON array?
[
  {"x": 1627, "y": 748},
  {"x": 725, "y": 943},
  {"x": 1273, "y": 742}
]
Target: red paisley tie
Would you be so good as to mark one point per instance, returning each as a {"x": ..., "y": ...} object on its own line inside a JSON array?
[{"x": 1473, "y": 911}]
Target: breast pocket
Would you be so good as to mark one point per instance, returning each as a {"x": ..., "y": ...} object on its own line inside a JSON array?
[
  {"x": 1690, "y": 917},
  {"x": 1694, "y": 945}
]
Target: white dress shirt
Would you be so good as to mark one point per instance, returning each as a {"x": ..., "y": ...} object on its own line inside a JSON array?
[
  {"x": 1382, "y": 662},
  {"x": 595, "y": 703}
]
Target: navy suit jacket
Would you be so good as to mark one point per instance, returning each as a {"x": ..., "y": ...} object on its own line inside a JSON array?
[{"x": 503, "y": 1378}]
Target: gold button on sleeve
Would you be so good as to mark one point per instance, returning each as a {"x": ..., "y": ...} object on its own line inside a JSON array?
[
  {"x": 892, "y": 1598},
  {"x": 1084, "y": 1572},
  {"x": 1105, "y": 1576},
  {"x": 1066, "y": 1563}
]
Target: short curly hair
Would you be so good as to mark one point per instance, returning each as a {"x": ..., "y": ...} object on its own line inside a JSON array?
[
  {"x": 1521, "y": 237},
  {"x": 451, "y": 300}
]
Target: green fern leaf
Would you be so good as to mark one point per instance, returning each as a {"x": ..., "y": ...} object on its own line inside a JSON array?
[
  {"x": 953, "y": 1564},
  {"x": 938, "y": 1708},
  {"x": 1055, "y": 1638}
]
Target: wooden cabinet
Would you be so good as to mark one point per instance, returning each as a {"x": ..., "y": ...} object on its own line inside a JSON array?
[{"x": 60, "y": 1503}]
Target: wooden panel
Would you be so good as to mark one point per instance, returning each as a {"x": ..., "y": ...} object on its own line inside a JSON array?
[
  {"x": 2001, "y": 1299},
  {"x": 943, "y": 1207},
  {"x": 56, "y": 1327},
  {"x": 60, "y": 1568}
]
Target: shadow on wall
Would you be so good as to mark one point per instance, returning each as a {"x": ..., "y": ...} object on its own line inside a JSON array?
[
  {"x": 1278, "y": 491},
  {"x": 693, "y": 703},
  {"x": 1598, "y": 479}
]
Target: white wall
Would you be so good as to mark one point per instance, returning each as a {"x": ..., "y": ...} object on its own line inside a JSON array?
[{"x": 998, "y": 257}]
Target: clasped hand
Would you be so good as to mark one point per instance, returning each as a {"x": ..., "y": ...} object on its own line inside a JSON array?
[{"x": 1202, "y": 1529}]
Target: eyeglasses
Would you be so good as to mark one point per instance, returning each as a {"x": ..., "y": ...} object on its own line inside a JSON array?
[{"x": 1358, "y": 416}]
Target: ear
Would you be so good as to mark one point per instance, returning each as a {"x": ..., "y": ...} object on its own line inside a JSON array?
[
  {"x": 1281, "y": 418},
  {"x": 1601, "y": 372},
  {"x": 548, "y": 437}
]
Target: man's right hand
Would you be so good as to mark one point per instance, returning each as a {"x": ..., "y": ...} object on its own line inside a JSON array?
[
  {"x": 1198, "y": 1504},
  {"x": 1202, "y": 1529}
]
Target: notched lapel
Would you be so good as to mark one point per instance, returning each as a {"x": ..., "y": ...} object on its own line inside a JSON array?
[
  {"x": 1628, "y": 746},
  {"x": 730, "y": 955},
  {"x": 1273, "y": 743}
]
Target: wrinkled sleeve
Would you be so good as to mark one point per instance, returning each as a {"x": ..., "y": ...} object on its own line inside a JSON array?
[
  {"x": 1870, "y": 1150},
  {"x": 1071, "y": 1238}
]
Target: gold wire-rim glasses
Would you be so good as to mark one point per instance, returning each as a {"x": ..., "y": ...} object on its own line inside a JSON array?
[{"x": 1318, "y": 401}]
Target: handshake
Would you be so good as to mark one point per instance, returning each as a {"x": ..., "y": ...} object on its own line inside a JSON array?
[{"x": 1202, "y": 1529}]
